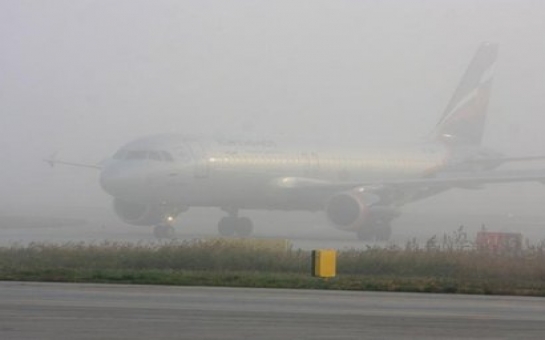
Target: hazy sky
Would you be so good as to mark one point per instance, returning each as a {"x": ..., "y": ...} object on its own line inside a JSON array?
[{"x": 84, "y": 77}]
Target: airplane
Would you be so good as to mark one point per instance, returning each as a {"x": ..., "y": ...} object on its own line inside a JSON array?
[{"x": 155, "y": 178}]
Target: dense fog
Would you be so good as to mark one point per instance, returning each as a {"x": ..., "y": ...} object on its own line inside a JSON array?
[{"x": 81, "y": 78}]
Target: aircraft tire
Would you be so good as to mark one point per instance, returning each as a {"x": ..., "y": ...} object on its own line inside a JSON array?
[
  {"x": 227, "y": 225},
  {"x": 164, "y": 231},
  {"x": 244, "y": 227},
  {"x": 365, "y": 234},
  {"x": 383, "y": 232}
]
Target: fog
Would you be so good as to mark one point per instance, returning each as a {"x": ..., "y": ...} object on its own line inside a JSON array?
[{"x": 82, "y": 78}]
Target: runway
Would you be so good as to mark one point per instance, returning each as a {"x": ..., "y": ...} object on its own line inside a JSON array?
[{"x": 91, "y": 311}]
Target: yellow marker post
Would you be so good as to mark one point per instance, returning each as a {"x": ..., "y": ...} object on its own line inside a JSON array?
[{"x": 324, "y": 263}]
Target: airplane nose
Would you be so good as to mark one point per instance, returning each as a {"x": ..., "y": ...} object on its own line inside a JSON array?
[
  {"x": 128, "y": 180},
  {"x": 118, "y": 183},
  {"x": 109, "y": 181}
]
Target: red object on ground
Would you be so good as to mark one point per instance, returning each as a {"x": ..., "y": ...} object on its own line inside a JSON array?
[{"x": 498, "y": 241}]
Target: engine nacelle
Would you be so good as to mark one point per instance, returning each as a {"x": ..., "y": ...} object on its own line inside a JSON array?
[
  {"x": 349, "y": 210},
  {"x": 138, "y": 214}
]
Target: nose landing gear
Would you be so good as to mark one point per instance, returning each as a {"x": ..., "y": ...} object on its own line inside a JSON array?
[
  {"x": 233, "y": 225},
  {"x": 244, "y": 227},
  {"x": 165, "y": 230},
  {"x": 162, "y": 231},
  {"x": 379, "y": 231}
]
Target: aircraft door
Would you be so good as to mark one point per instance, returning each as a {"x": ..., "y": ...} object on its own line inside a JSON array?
[
  {"x": 311, "y": 163},
  {"x": 201, "y": 168}
]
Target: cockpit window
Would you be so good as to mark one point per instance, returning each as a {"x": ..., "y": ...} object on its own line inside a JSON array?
[
  {"x": 159, "y": 156},
  {"x": 136, "y": 154},
  {"x": 166, "y": 156}
]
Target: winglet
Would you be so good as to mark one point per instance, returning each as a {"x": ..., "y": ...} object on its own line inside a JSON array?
[{"x": 52, "y": 160}]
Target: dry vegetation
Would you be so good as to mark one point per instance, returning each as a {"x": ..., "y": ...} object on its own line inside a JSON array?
[{"x": 452, "y": 264}]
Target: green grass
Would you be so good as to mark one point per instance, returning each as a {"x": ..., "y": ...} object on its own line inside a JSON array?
[{"x": 445, "y": 268}]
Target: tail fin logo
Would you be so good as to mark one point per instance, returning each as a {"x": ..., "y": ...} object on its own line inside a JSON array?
[{"x": 464, "y": 118}]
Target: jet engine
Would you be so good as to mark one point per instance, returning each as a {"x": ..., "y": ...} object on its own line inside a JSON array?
[
  {"x": 137, "y": 213},
  {"x": 349, "y": 210}
]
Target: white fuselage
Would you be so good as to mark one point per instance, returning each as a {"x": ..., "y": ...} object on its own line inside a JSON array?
[{"x": 252, "y": 175}]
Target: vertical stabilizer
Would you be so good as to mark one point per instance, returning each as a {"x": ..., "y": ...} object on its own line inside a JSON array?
[{"x": 464, "y": 118}]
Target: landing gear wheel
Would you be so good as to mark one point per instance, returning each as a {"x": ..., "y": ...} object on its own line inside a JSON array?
[
  {"x": 164, "y": 231},
  {"x": 226, "y": 226},
  {"x": 383, "y": 232},
  {"x": 244, "y": 227},
  {"x": 365, "y": 234}
]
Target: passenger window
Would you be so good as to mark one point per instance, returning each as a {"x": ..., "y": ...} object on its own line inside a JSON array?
[
  {"x": 183, "y": 155},
  {"x": 154, "y": 155},
  {"x": 167, "y": 157}
]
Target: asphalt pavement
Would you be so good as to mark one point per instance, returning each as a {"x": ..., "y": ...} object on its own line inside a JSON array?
[{"x": 95, "y": 311}]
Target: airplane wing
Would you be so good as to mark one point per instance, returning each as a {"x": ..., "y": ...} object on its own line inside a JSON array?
[
  {"x": 502, "y": 160},
  {"x": 518, "y": 159},
  {"x": 464, "y": 179},
  {"x": 53, "y": 160},
  {"x": 450, "y": 180},
  {"x": 387, "y": 190}
]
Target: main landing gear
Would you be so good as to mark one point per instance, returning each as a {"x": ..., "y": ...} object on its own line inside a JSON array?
[
  {"x": 234, "y": 225},
  {"x": 164, "y": 231},
  {"x": 379, "y": 231}
]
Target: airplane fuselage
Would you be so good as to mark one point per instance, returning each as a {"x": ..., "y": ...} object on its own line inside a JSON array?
[{"x": 253, "y": 175}]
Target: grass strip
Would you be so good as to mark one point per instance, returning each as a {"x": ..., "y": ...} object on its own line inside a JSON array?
[
  {"x": 214, "y": 263},
  {"x": 281, "y": 280}
]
